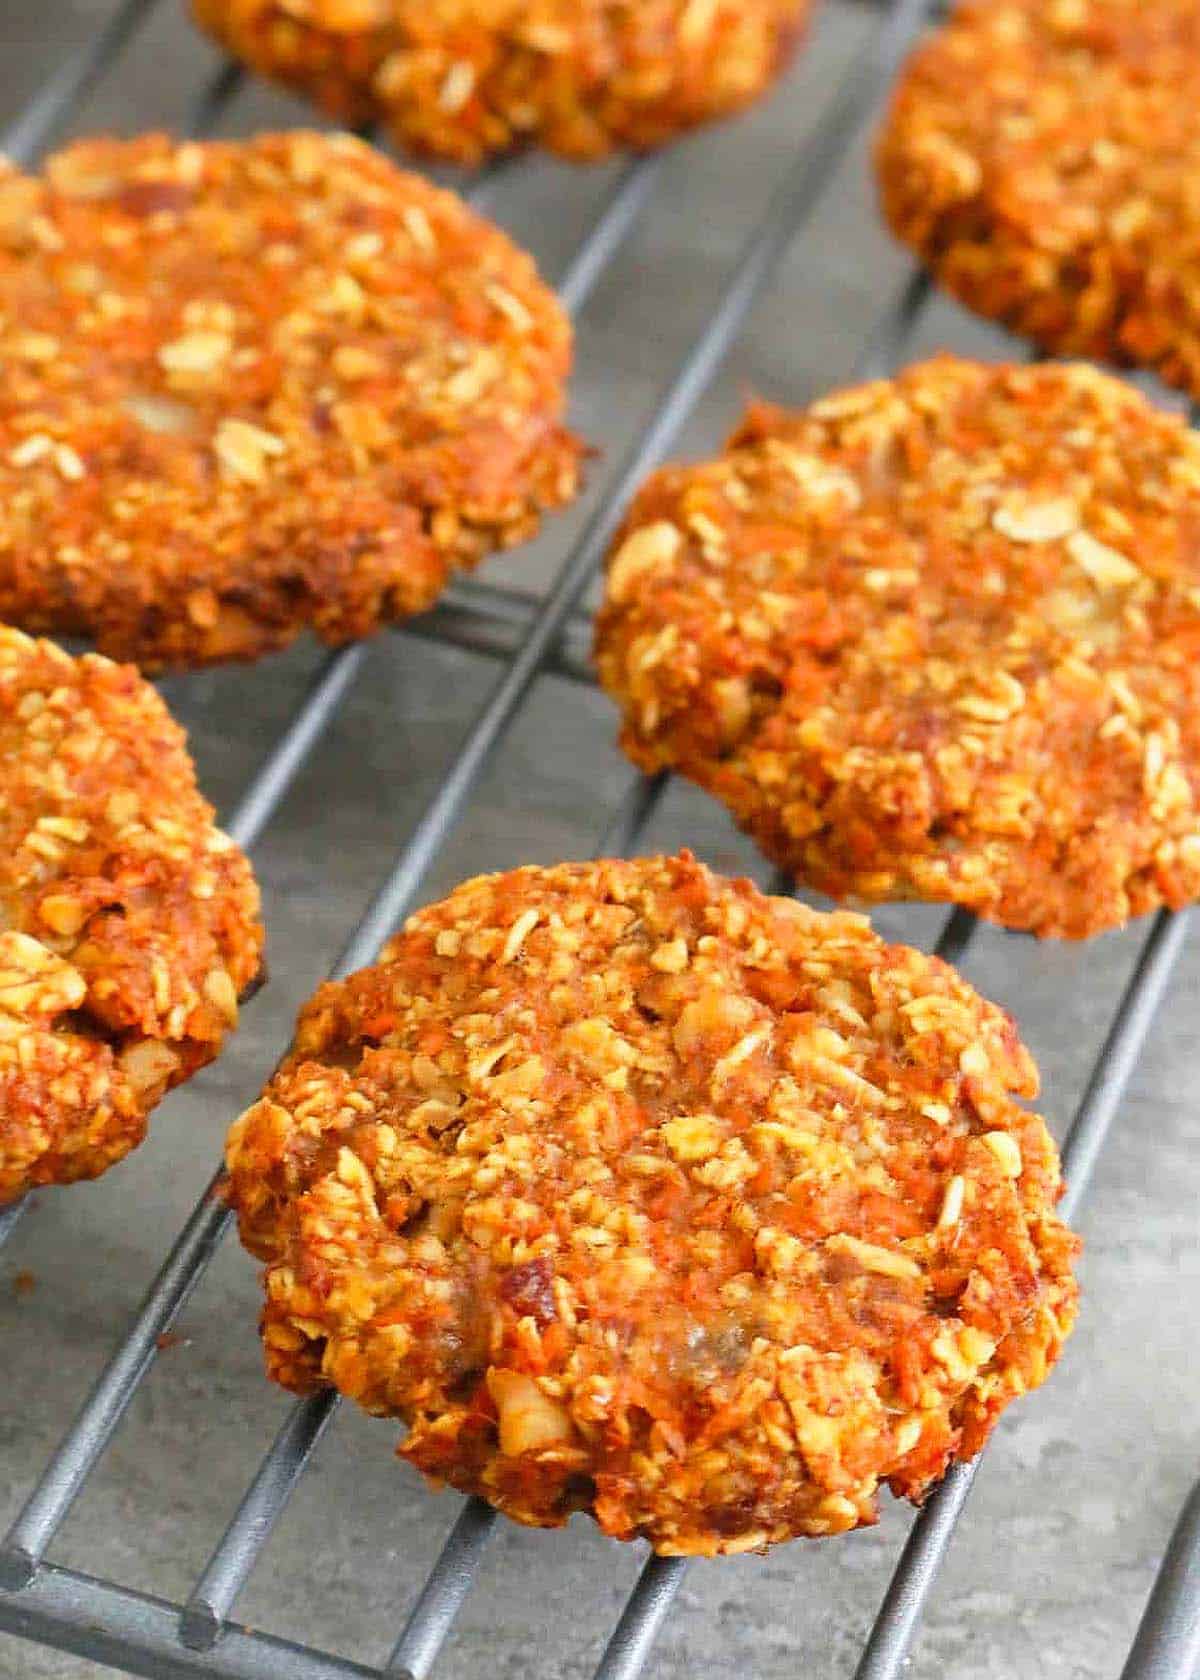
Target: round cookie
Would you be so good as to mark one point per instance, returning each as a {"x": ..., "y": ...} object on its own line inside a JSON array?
[
  {"x": 935, "y": 637},
  {"x": 636, "y": 1192},
  {"x": 1041, "y": 155},
  {"x": 261, "y": 386},
  {"x": 462, "y": 79},
  {"x": 128, "y": 922}
]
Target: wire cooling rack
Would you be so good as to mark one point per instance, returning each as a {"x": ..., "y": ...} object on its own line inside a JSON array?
[{"x": 526, "y": 637}]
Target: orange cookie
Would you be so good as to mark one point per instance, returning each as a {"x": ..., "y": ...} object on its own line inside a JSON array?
[
  {"x": 462, "y": 79},
  {"x": 636, "y": 1192},
  {"x": 258, "y": 387},
  {"x": 934, "y": 637},
  {"x": 1041, "y": 157},
  {"x": 128, "y": 922}
]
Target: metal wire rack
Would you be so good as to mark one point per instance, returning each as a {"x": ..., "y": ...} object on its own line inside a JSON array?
[{"x": 527, "y": 637}]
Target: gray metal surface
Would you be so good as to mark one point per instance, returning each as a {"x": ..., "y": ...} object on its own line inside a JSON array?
[
  {"x": 344, "y": 1537},
  {"x": 1167, "y": 1646}
]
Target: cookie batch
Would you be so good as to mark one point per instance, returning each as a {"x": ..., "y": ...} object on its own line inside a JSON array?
[{"x": 624, "y": 1187}]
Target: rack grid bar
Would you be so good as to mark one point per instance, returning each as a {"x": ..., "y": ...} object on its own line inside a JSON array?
[
  {"x": 200, "y": 1238},
  {"x": 94, "y": 1424},
  {"x": 444, "y": 1593},
  {"x": 36, "y": 128},
  {"x": 956, "y": 935},
  {"x": 626, "y": 202},
  {"x": 214, "y": 98},
  {"x": 212, "y": 1598},
  {"x": 291, "y": 752},
  {"x": 454, "y": 1570},
  {"x": 139, "y": 1633},
  {"x": 55, "y": 103},
  {"x": 631, "y": 1644},
  {"x": 1117, "y": 1061},
  {"x": 9, "y": 1216},
  {"x": 487, "y": 618},
  {"x": 885, "y": 346},
  {"x": 886, "y": 1651},
  {"x": 631, "y": 815},
  {"x": 1167, "y": 1646},
  {"x": 642, "y": 1619}
]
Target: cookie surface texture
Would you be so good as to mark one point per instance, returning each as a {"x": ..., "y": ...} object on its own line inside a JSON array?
[
  {"x": 933, "y": 637},
  {"x": 258, "y": 387},
  {"x": 1041, "y": 158},
  {"x": 464, "y": 79},
  {"x": 128, "y": 922},
  {"x": 634, "y": 1191}
]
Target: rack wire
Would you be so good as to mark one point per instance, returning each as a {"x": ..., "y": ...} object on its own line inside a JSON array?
[{"x": 527, "y": 637}]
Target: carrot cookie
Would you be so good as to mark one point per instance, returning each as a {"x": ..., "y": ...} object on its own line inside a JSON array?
[
  {"x": 252, "y": 388},
  {"x": 128, "y": 922},
  {"x": 636, "y": 1192},
  {"x": 935, "y": 637},
  {"x": 1040, "y": 157},
  {"x": 462, "y": 79}
]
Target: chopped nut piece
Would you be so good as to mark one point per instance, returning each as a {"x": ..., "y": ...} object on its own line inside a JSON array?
[
  {"x": 418, "y": 225},
  {"x": 693, "y": 1137},
  {"x": 457, "y": 87},
  {"x": 530, "y": 1420},
  {"x": 644, "y": 551},
  {"x": 244, "y": 450},
  {"x": 1036, "y": 522},
  {"x": 1007, "y": 1151},
  {"x": 973, "y": 1059},
  {"x": 886, "y": 1261},
  {"x": 35, "y": 982},
  {"x": 196, "y": 352},
  {"x": 221, "y": 992},
  {"x": 952, "y": 1203},
  {"x": 671, "y": 958},
  {"x": 159, "y": 414},
  {"x": 33, "y": 448},
  {"x": 69, "y": 463},
  {"x": 1101, "y": 563},
  {"x": 63, "y": 914},
  {"x": 149, "y": 1066},
  {"x": 518, "y": 933}
]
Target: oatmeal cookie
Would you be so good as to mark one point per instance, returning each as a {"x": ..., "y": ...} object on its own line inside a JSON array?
[
  {"x": 934, "y": 637},
  {"x": 636, "y": 1192},
  {"x": 1040, "y": 156},
  {"x": 462, "y": 79},
  {"x": 260, "y": 386},
  {"x": 128, "y": 922}
]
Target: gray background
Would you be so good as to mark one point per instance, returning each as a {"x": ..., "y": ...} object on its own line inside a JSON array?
[{"x": 1078, "y": 1493}]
